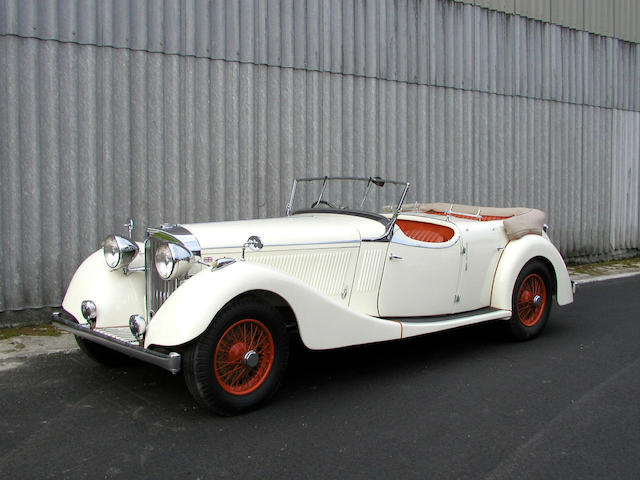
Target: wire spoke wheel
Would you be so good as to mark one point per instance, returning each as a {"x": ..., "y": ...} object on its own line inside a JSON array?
[
  {"x": 239, "y": 362},
  {"x": 244, "y": 357},
  {"x": 531, "y": 301},
  {"x": 532, "y": 298}
]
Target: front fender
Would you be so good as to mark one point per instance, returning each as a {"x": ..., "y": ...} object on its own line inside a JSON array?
[
  {"x": 322, "y": 322},
  {"x": 515, "y": 256},
  {"x": 116, "y": 295}
]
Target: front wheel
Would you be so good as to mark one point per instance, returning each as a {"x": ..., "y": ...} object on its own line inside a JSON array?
[
  {"x": 240, "y": 360},
  {"x": 531, "y": 301}
]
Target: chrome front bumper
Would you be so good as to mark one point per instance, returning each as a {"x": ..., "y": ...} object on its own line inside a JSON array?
[{"x": 66, "y": 321}]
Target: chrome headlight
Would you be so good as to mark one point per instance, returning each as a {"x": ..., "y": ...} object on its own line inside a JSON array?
[
  {"x": 118, "y": 252},
  {"x": 172, "y": 261}
]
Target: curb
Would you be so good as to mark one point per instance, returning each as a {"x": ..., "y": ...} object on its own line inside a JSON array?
[
  {"x": 603, "y": 278},
  {"x": 16, "y": 350}
]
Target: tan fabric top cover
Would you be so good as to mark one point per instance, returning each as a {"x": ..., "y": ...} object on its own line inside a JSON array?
[{"x": 521, "y": 221}]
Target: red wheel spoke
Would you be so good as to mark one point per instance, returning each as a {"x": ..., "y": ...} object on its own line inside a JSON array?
[
  {"x": 258, "y": 339},
  {"x": 229, "y": 371},
  {"x": 256, "y": 343},
  {"x": 237, "y": 376},
  {"x": 224, "y": 362},
  {"x": 234, "y": 336},
  {"x": 251, "y": 337}
]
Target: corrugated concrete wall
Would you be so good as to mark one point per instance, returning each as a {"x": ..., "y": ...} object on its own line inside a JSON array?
[
  {"x": 613, "y": 18},
  {"x": 191, "y": 111}
]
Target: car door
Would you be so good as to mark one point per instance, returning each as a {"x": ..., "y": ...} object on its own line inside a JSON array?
[{"x": 422, "y": 269}]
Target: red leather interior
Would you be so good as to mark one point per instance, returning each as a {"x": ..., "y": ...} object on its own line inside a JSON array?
[{"x": 425, "y": 232}]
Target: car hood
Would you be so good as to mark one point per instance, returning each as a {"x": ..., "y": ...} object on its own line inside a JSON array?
[{"x": 302, "y": 229}]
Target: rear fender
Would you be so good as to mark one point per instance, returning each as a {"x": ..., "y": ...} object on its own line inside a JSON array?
[
  {"x": 515, "y": 256},
  {"x": 322, "y": 322}
]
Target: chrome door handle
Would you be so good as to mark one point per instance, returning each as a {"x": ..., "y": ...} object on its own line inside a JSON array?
[{"x": 394, "y": 257}]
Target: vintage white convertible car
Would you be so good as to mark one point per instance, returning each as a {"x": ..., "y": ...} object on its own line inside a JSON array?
[{"x": 351, "y": 263}]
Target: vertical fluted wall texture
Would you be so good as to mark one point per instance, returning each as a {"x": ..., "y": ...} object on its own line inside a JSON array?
[
  {"x": 612, "y": 18},
  {"x": 184, "y": 111}
]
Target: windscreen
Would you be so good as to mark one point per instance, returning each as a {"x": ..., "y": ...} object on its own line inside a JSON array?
[{"x": 370, "y": 195}]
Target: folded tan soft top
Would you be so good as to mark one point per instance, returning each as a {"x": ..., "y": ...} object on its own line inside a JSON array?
[{"x": 518, "y": 221}]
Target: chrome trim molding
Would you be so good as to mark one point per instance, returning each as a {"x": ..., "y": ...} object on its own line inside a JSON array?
[
  {"x": 171, "y": 361},
  {"x": 158, "y": 290},
  {"x": 481, "y": 314},
  {"x": 176, "y": 234},
  {"x": 335, "y": 242}
]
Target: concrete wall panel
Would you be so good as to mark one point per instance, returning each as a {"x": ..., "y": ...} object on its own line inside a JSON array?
[{"x": 194, "y": 111}]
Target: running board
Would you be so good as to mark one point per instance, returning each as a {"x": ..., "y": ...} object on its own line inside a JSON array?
[{"x": 412, "y": 326}]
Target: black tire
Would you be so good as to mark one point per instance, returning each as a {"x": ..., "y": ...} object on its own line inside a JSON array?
[
  {"x": 219, "y": 369},
  {"x": 530, "y": 302},
  {"x": 101, "y": 354}
]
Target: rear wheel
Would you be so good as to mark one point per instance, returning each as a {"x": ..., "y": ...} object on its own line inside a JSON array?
[
  {"x": 240, "y": 361},
  {"x": 531, "y": 301}
]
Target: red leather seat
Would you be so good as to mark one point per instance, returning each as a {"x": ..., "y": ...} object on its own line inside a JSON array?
[{"x": 425, "y": 232}]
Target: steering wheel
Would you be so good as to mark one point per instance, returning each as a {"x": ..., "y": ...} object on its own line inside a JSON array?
[{"x": 322, "y": 202}]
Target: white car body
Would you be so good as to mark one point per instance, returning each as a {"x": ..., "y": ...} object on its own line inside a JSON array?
[{"x": 342, "y": 279}]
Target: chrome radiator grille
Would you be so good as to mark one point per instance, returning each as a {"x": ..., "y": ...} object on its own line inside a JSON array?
[{"x": 158, "y": 290}]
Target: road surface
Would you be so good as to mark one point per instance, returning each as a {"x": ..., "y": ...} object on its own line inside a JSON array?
[{"x": 461, "y": 404}]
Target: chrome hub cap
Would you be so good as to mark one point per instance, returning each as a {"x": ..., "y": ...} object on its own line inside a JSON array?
[
  {"x": 537, "y": 301},
  {"x": 251, "y": 359}
]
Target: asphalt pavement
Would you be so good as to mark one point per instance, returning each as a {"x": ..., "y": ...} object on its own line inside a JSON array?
[{"x": 455, "y": 405}]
